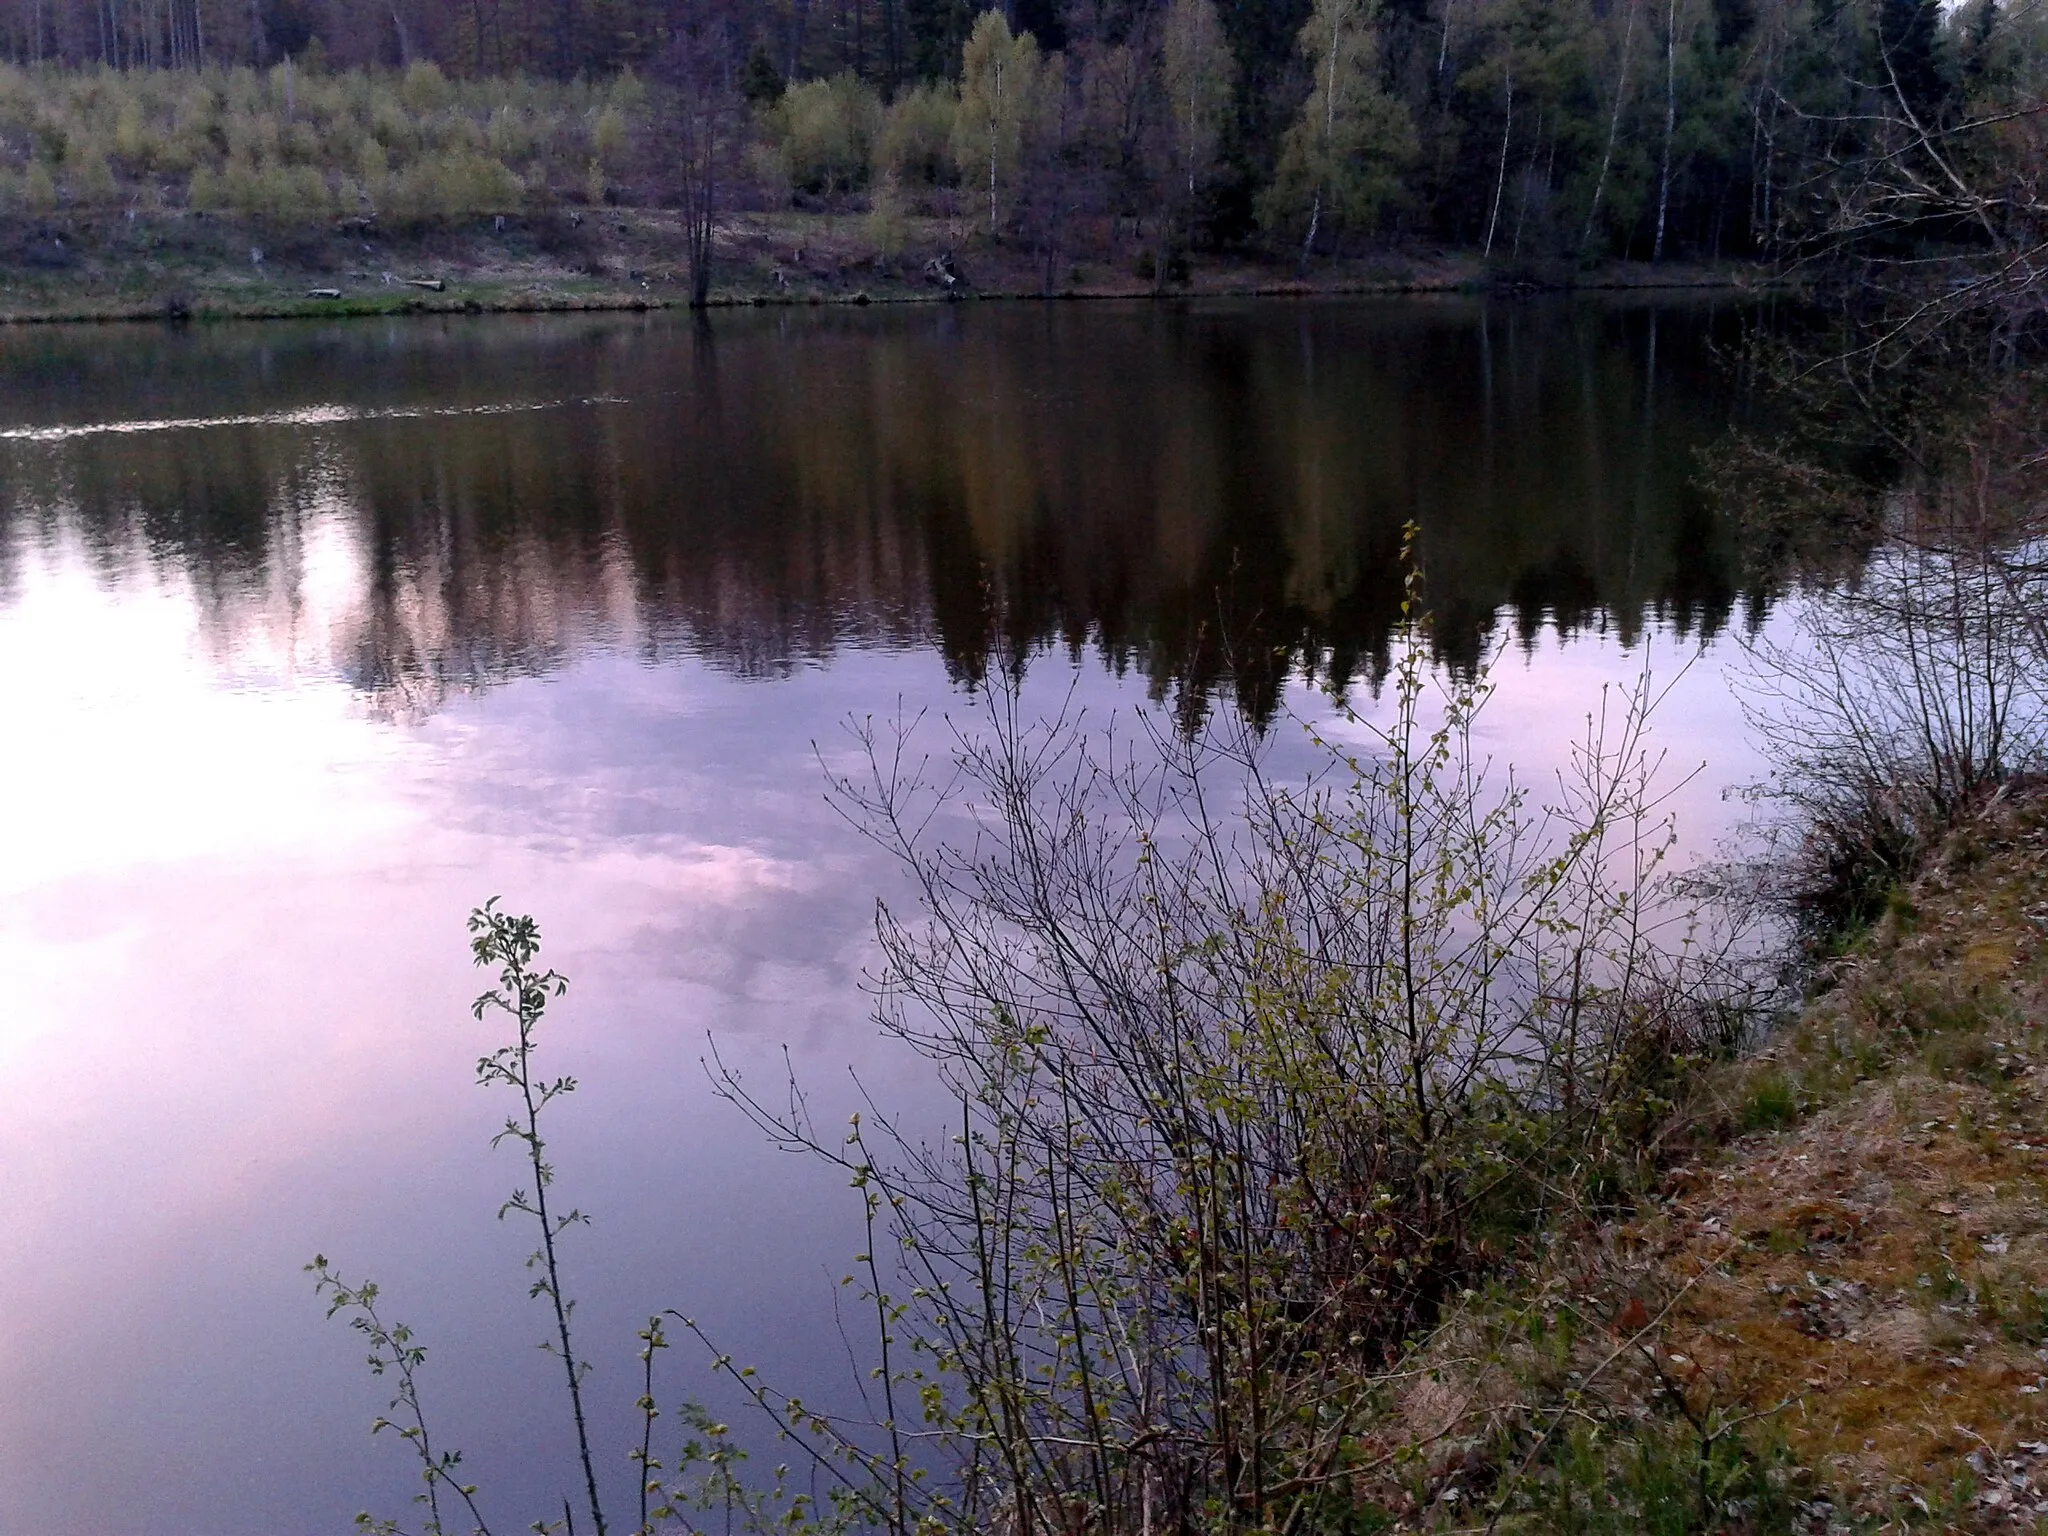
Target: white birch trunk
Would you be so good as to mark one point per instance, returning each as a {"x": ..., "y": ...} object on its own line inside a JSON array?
[
  {"x": 1613, "y": 127},
  {"x": 1501, "y": 180},
  {"x": 1670, "y": 122},
  {"x": 995, "y": 128}
]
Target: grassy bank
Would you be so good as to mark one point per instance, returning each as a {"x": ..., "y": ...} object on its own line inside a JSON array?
[
  {"x": 196, "y": 264},
  {"x": 1829, "y": 1313}
]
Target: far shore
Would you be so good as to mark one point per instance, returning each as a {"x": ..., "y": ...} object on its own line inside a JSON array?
[{"x": 176, "y": 265}]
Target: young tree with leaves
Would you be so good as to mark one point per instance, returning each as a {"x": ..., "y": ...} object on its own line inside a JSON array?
[
  {"x": 999, "y": 94},
  {"x": 1342, "y": 158},
  {"x": 1198, "y": 74},
  {"x": 1192, "y": 72}
]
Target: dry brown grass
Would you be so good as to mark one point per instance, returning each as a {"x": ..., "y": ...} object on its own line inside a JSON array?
[
  {"x": 1881, "y": 1267},
  {"x": 1848, "y": 1263}
]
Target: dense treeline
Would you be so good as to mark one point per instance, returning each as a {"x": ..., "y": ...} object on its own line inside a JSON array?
[{"x": 1533, "y": 128}]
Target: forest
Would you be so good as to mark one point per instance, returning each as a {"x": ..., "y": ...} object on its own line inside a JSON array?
[{"x": 1573, "y": 131}]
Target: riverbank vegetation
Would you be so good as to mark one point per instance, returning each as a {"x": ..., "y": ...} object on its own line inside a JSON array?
[
  {"x": 1380, "y": 1152},
  {"x": 1147, "y": 134},
  {"x": 1252, "y": 1079}
]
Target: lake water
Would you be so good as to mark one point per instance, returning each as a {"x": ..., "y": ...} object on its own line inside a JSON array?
[{"x": 313, "y": 637}]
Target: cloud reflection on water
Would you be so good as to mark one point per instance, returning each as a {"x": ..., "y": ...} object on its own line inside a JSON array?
[{"x": 290, "y": 694}]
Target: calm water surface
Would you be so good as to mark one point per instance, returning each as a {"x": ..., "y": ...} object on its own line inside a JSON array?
[{"x": 313, "y": 637}]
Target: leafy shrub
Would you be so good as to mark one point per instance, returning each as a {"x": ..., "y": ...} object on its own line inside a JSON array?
[
  {"x": 374, "y": 167},
  {"x": 610, "y": 140},
  {"x": 90, "y": 181},
  {"x": 825, "y": 132},
  {"x": 38, "y": 190},
  {"x": 454, "y": 185},
  {"x": 510, "y": 133},
  {"x": 300, "y": 142},
  {"x": 203, "y": 190},
  {"x": 274, "y": 193},
  {"x": 1250, "y": 1078},
  {"x": 1893, "y": 707},
  {"x": 133, "y": 141},
  {"x": 424, "y": 88},
  {"x": 885, "y": 227},
  {"x": 392, "y": 126},
  {"x": 916, "y": 140}
]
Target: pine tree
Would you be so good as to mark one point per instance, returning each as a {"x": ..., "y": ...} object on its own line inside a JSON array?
[{"x": 938, "y": 30}]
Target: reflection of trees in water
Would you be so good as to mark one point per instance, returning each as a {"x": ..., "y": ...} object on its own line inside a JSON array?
[{"x": 1214, "y": 498}]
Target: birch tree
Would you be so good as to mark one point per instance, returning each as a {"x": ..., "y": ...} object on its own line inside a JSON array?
[
  {"x": 1628, "y": 37},
  {"x": 1198, "y": 74},
  {"x": 1670, "y": 122},
  {"x": 999, "y": 77},
  {"x": 1342, "y": 158}
]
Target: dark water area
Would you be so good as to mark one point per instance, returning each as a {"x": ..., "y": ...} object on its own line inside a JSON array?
[{"x": 312, "y": 637}]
